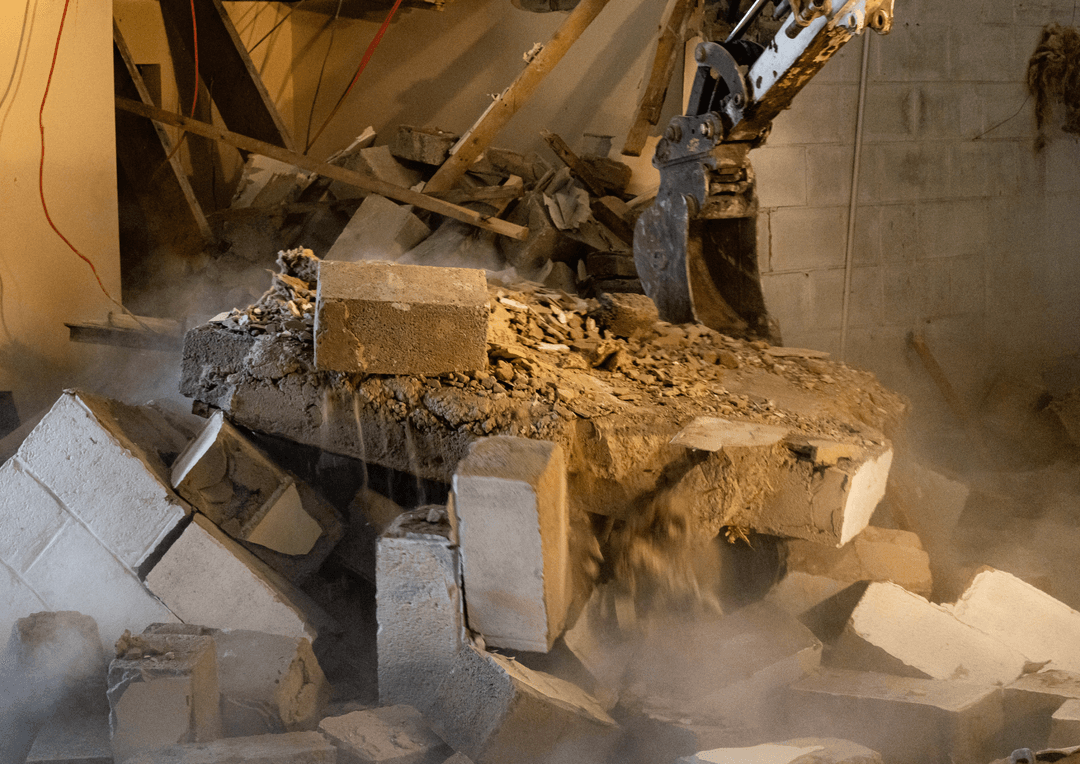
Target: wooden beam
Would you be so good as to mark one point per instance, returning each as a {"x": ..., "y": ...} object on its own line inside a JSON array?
[
  {"x": 165, "y": 194},
  {"x": 668, "y": 47},
  {"x": 227, "y": 70},
  {"x": 579, "y": 169},
  {"x": 483, "y": 132},
  {"x": 358, "y": 180}
]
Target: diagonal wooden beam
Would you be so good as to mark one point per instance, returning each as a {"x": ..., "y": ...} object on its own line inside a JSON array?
[
  {"x": 364, "y": 182},
  {"x": 481, "y": 134},
  {"x": 227, "y": 70}
]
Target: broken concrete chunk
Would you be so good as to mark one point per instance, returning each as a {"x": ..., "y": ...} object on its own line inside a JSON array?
[
  {"x": 808, "y": 750},
  {"x": 419, "y": 609},
  {"x": 545, "y": 241},
  {"x": 380, "y": 318},
  {"x": 896, "y": 631},
  {"x": 1005, "y": 607},
  {"x": 163, "y": 690},
  {"x": 84, "y": 453},
  {"x": 494, "y": 710},
  {"x": 902, "y": 717},
  {"x": 1065, "y": 725},
  {"x": 288, "y": 748},
  {"x": 242, "y": 491},
  {"x": 513, "y": 524},
  {"x": 614, "y": 176},
  {"x": 813, "y": 572},
  {"x": 207, "y": 578},
  {"x": 379, "y": 230},
  {"x": 714, "y": 434},
  {"x": 427, "y": 145},
  {"x": 386, "y": 735},
  {"x": 822, "y": 451},
  {"x": 625, "y": 315},
  {"x": 1030, "y": 702},
  {"x": 81, "y": 737},
  {"x": 265, "y": 182},
  {"x": 379, "y": 163}
]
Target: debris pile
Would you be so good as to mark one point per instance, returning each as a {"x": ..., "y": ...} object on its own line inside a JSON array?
[{"x": 620, "y": 540}]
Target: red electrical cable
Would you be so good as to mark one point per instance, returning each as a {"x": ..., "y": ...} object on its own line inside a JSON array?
[
  {"x": 195, "y": 38},
  {"x": 363, "y": 64},
  {"x": 41, "y": 168}
]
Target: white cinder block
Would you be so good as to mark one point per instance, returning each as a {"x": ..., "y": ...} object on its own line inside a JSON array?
[
  {"x": 419, "y": 609},
  {"x": 209, "y": 579},
  {"x": 29, "y": 516},
  {"x": 81, "y": 452},
  {"x": 991, "y": 604},
  {"x": 513, "y": 523},
  {"x": 77, "y": 573},
  {"x": 917, "y": 634}
]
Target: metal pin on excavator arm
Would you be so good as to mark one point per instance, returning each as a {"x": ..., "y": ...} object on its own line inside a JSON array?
[{"x": 696, "y": 247}]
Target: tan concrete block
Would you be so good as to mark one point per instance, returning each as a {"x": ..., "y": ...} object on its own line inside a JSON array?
[
  {"x": 894, "y": 630},
  {"x": 381, "y": 318},
  {"x": 1031, "y": 701},
  {"x": 1005, "y": 607},
  {"x": 386, "y": 735},
  {"x": 1065, "y": 725},
  {"x": 428, "y": 145},
  {"x": 207, "y": 578},
  {"x": 377, "y": 162},
  {"x": 513, "y": 524},
  {"x": 163, "y": 690}
]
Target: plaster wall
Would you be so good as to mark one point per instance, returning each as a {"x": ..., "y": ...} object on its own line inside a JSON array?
[
  {"x": 963, "y": 231},
  {"x": 44, "y": 282}
]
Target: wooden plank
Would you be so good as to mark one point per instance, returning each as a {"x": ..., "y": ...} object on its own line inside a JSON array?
[
  {"x": 483, "y": 132},
  {"x": 668, "y": 47},
  {"x": 226, "y": 67},
  {"x": 165, "y": 195},
  {"x": 358, "y": 180}
]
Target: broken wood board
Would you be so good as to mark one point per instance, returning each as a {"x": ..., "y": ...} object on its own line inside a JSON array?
[
  {"x": 142, "y": 332},
  {"x": 356, "y": 179}
]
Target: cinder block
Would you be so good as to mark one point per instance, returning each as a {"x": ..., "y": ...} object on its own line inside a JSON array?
[
  {"x": 904, "y": 171},
  {"x": 75, "y": 572},
  {"x": 981, "y": 52},
  {"x": 83, "y": 452},
  {"x": 1065, "y": 725},
  {"x": 427, "y": 145},
  {"x": 207, "y": 578},
  {"x": 30, "y": 516},
  {"x": 287, "y": 748},
  {"x": 896, "y": 631},
  {"x": 1030, "y": 703},
  {"x": 419, "y": 609},
  {"x": 781, "y": 176},
  {"x": 815, "y": 572},
  {"x": 242, "y": 491},
  {"x": 948, "y": 229},
  {"x": 380, "y": 318},
  {"x": 908, "y": 58},
  {"x": 808, "y": 238},
  {"x": 513, "y": 524},
  {"x": 266, "y": 182},
  {"x": 379, "y": 230},
  {"x": 799, "y": 751},
  {"x": 494, "y": 710},
  {"x": 386, "y": 735},
  {"x": 163, "y": 690},
  {"x": 813, "y": 116},
  {"x": 908, "y": 720},
  {"x": 377, "y": 162},
  {"x": 992, "y": 603},
  {"x": 828, "y": 174}
]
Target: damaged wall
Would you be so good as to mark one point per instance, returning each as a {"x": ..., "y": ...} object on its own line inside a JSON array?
[
  {"x": 963, "y": 231},
  {"x": 44, "y": 282}
]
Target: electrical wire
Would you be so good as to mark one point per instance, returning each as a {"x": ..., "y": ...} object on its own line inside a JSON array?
[
  {"x": 17, "y": 79},
  {"x": 18, "y": 53},
  {"x": 322, "y": 69},
  {"x": 1002, "y": 122},
  {"x": 281, "y": 21},
  {"x": 195, "y": 48},
  {"x": 363, "y": 65}
]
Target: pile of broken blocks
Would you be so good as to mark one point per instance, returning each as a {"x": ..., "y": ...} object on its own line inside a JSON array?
[{"x": 561, "y": 604}]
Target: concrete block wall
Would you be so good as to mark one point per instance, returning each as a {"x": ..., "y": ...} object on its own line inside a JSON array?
[{"x": 962, "y": 231}]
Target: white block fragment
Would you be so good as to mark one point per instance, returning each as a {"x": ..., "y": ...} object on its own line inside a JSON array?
[
  {"x": 1026, "y": 619},
  {"x": 799, "y": 751},
  {"x": 895, "y": 629},
  {"x": 513, "y": 524},
  {"x": 379, "y": 230},
  {"x": 209, "y": 579},
  {"x": 30, "y": 516},
  {"x": 419, "y": 609},
  {"x": 81, "y": 452}
]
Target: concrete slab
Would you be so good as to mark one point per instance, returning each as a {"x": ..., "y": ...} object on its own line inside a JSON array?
[
  {"x": 1005, "y": 607},
  {"x": 386, "y": 735},
  {"x": 894, "y": 630},
  {"x": 513, "y": 524},
  {"x": 907, "y": 719},
  {"x": 207, "y": 578},
  {"x": 419, "y": 608},
  {"x": 810, "y": 750},
  {"x": 163, "y": 690},
  {"x": 287, "y": 748},
  {"x": 378, "y": 162},
  {"x": 381, "y": 318}
]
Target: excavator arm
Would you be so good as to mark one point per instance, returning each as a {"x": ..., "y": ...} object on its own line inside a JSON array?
[{"x": 695, "y": 247}]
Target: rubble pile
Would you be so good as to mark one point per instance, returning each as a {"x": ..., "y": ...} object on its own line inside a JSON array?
[{"x": 653, "y": 543}]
